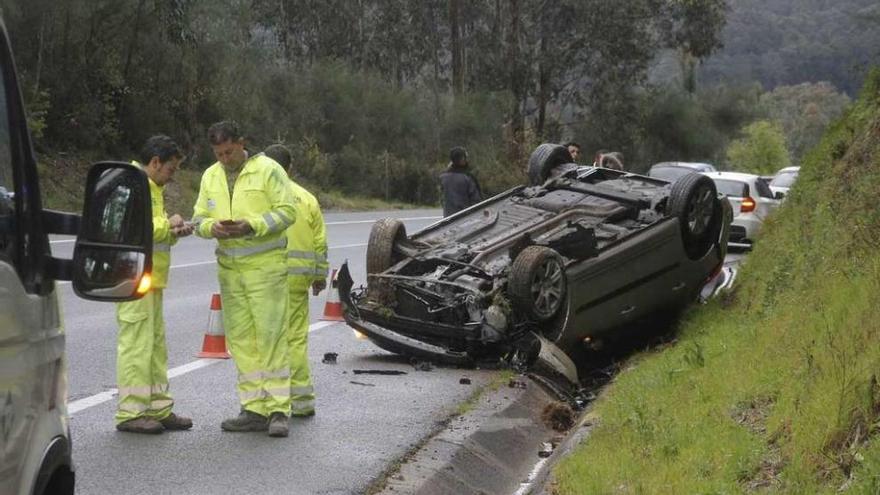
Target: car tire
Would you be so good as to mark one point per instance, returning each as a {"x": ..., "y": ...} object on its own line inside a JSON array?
[
  {"x": 693, "y": 199},
  {"x": 544, "y": 159},
  {"x": 537, "y": 285},
  {"x": 384, "y": 235}
]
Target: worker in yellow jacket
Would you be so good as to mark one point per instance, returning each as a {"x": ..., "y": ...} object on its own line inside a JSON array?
[
  {"x": 245, "y": 202},
  {"x": 306, "y": 267},
  {"x": 144, "y": 404}
]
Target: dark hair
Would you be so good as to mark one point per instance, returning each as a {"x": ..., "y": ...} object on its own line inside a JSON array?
[
  {"x": 279, "y": 153},
  {"x": 572, "y": 143},
  {"x": 161, "y": 146},
  {"x": 224, "y": 131},
  {"x": 457, "y": 155}
]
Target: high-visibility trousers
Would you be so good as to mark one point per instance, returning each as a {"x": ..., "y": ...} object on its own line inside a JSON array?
[
  {"x": 302, "y": 393},
  {"x": 254, "y": 318},
  {"x": 142, "y": 359}
]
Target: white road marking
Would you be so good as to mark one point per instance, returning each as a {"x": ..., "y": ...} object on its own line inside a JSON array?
[
  {"x": 526, "y": 486},
  {"x": 108, "y": 395}
]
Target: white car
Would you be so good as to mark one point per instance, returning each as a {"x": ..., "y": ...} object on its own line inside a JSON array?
[
  {"x": 783, "y": 180},
  {"x": 673, "y": 170},
  {"x": 752, "y": 201}
]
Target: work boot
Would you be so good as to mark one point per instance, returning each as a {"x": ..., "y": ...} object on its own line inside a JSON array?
[
  {"x": 246, "y": 421},
  {"x": 141, "y": 425},
  {"x": 175, "y": 422},
  {"x": 278, "y": 425}
]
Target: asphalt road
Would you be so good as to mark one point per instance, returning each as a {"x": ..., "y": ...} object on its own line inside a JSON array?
[{"x": 359, "y": 430}]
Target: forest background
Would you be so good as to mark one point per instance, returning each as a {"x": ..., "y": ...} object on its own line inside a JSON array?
[{"x": 371, "y": 94}]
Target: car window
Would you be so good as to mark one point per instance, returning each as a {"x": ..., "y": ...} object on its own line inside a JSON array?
[
  {"x": 785, "y": 179},
  {"x": 669, "y": 173},
  {"x": 763, "y": 189},
  {"x": 734, "y": 188},
  {"x": 7, "y": 185}
]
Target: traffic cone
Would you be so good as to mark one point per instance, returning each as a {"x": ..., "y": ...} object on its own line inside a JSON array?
[
  {"x": 214, "y": 345},
  {"x": 332, "y": 306}
]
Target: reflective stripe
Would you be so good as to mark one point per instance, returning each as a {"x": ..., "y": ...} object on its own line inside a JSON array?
[
  {"x": 287, "y": 221},
  {"x": 302, "y": 405},
  {"x": 304, "y": 255},
  {"x": 161, "y": 388},
  {"x": 247, "y": 251},
  {"x": 143, "y": 391},
  {"x": 320, "y": 258},
  {"x": 254, "y": 376},
  {"x": 300, "y": 270},
  {"x": 161, "y": 404},
  {"x": 161, "y": 247},
  {"x": 270, "y": 222},
  {"x": 284, "y": 373},
  {"x": 302, "y": 390},
  {"x": 278, "y": 392},
  {"x": 132, "y": 407}
]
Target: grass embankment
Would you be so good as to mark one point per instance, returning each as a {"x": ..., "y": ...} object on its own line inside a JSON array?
[
  {"x": 774, "y": 388},
  {"x": 63, "y": 181}
]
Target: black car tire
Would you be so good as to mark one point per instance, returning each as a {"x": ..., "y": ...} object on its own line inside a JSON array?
[
  {"x": 386, "y": 232},
  {"x": 544, "y": 159},
  {"x": 537, "y": 285},
  {"x": 694, "y": 201}
]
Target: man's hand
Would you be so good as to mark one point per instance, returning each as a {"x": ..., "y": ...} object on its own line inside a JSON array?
[
  {"x": 184, "y": 230},
  {"x": 318, "y": 286},
  {"x": 218, "y": 230},
  {"x": 176, "y": 221},
  {"x": 239, "y": 228}
]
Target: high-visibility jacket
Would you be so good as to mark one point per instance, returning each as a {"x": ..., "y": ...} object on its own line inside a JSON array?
[
  {"x": 261, "y": 196},
  {"x": 306, "y": 241},
  {"x": 162, "y": 237}
]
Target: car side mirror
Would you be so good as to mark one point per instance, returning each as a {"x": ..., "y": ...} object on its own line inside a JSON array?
[
  {"x": 778, "y": 195},
  {"x": 113, "y": 255}
]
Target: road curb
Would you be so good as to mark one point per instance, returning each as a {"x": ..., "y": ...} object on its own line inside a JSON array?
[{"x": 492, "y": 448}]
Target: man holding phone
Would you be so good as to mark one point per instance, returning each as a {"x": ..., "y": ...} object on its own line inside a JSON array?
[
  {"x": 144, "y": 403},
  {"x": 245, "y": 203}
]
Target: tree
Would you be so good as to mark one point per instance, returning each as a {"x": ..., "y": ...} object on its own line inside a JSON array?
[{"x": 761, "y": 150}]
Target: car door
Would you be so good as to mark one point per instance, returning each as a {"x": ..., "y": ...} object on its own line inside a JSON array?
[{"x": 31, "y": 343}]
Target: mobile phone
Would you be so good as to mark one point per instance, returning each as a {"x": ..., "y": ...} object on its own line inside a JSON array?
[{"x": 228, "y": 222}]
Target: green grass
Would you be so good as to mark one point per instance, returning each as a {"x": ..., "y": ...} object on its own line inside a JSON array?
[
  {"x": 63, "y": 179},
  {"x": 774, "y": 388}
]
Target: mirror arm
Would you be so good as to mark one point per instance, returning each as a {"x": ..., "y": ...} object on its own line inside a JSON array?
[
  {"x": 59, "y": 222},
  {"x": 60, "y": 269}
]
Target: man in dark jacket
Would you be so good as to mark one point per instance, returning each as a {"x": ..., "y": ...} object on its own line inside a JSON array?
[{"x": 460, "y": 189}]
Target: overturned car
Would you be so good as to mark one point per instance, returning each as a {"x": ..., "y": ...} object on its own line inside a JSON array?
[{"x": 540, "y": 270}]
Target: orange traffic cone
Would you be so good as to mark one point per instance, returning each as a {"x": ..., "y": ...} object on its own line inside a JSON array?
[
  {"x": 333, "y": 307},
  {"x": 214, "y": 345}
]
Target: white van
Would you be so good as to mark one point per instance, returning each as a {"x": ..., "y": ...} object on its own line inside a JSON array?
[{"x": 112, "y": 261}]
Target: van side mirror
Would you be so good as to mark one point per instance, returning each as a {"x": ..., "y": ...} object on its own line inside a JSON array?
[{"x": 113, "y": 255}]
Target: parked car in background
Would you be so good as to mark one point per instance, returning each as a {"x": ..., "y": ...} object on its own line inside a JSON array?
[
  {"x": 673, "y": 170},
  {"x": 752, "y": 201},
  {"x": 783, "y": 180},
  {"x": 546, "y": 268}
]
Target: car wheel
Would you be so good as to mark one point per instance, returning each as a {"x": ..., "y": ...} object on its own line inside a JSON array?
[
  {"x": 386, "y": 232},
  {"x": 544, "y": 159},
  {"x": 537, "y": 284},
  {"x": 694, "y": 201}
]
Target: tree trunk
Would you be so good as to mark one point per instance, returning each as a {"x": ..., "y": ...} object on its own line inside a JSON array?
[
  {"x": 457, "y": 51},
  {"x": 517, "y": 123}
]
